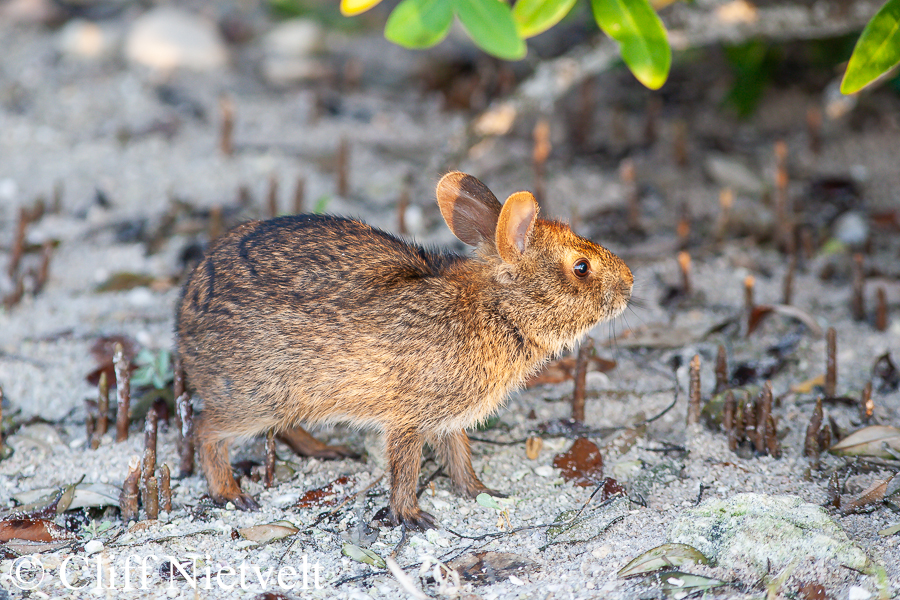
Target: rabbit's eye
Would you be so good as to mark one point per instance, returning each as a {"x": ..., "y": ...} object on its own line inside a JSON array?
[{"x": 582, "y": 268}]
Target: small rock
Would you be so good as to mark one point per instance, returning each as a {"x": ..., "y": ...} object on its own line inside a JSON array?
[
  {"x": 728, "y": 172},
  {"x": 93, "y": 546},
  {"x": 168, "y": 38},
  {"x": 288, "y": 52},
  {"x": 763, "y": 532},
  {"x": 544, "y": 471},
  {"x": 858, "y": 593},
  {"x": 85, "y": 39},
  {"x": 852, "y": 228}
]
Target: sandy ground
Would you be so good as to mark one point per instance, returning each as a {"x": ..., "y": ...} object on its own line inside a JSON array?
[{"x": 62, "y": 124}]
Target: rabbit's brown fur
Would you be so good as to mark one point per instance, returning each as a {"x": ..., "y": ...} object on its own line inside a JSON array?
[{"x": 318, "y": 319}]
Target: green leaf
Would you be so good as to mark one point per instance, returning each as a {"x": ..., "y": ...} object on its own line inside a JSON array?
[
  {"x": 490, "y": 24},
  {"x": 537, "y": 16},
  {"x": 363, "y": 555},
  {"x": 663, "y": 557},
  {"x": 419, "y": 23},
  {"x": 640, "y": 34},
  {"x": 877, "y": 51},
  {"x": 487, "y": 501}
]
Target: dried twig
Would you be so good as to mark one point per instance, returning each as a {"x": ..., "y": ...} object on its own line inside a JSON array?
[
  {"x": 165, "y": 488},
  {"x": 811, "y": 443},
  {"x": 693, "y": 412},
  {"x": 721, "y": 369},
  {"x": 148, "y": 462},
  {"x": 866, "y": 404},
  {"x": 43, "y": 273},
  {"x": 151, "y": 498},
  {"x": 226, "y": 139},
  {"x": 881, "y": 312},
  {"x": 830, "y": 362},
  {"x": 814, "y": 128},
  {"x": 186, "y": 413},
  {"x": 581, "y": 367},
  {"x": 18, "y": 246},
  {"x": 123, "y": 392},
  {"x": 684, "y": 262},
  {"x": 128, "y": 500},
  {"x": 343, "y": 167},
  {"x": 858, "y": 303},
  {"x": 269, "y": 480},
  {"x": 749, "y": 302}
]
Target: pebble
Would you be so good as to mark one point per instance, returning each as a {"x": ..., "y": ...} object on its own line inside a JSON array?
[
  {"x": 852, "y": 228},
  {"x": 544, "y": 471},
  {"x": 289, "y": 51},
  {"x": 93, "y": 547},
  {"x": 84, "y": 39},
  {"x": 858, "y": 593},
  {"x": 168, "y": 38}
]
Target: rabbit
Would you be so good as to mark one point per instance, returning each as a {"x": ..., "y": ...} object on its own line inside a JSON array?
[{"x": 315, "y": 319}]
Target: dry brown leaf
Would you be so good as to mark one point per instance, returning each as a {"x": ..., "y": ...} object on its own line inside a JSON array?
[
  {"x": 33, "y": 530},
  {"x": 582, "y": 464}
]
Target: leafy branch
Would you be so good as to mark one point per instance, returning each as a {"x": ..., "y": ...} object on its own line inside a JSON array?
[{"x": 501, "y": 29}]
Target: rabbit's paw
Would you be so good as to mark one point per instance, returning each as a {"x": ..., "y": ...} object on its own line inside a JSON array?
[
  {"x": 240, "y": 500},
  {"x": 418, "y": 520}
]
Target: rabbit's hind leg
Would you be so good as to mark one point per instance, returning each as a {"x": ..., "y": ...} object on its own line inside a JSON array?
[
  {"x": 302, "y": 443},
  {"x": 454, "y": 454},
  {"x": 213, "y": 450}
]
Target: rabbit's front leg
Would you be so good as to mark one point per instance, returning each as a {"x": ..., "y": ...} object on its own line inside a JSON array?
[
  {"x": 404, "y": 454},
  {"x": 455, "y": 455}
]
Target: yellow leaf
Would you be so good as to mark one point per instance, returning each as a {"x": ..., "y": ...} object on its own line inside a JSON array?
[
  {"x": 350, "y": 8},
  {"x": 808, "y": 385}
]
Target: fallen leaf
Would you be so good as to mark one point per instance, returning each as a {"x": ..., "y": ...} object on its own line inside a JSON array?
[
  {"x": 123, "y": 281},
  {"x": 658, "y": 335},
  {"x": 491, "y": 566},
  {"x": 323, "y": 496},
  {"x": 666, "y": 556},
  {"x": 890, "y": 530},
  {"x": 869, "y": 441},
  {"x": 760, "y": 312},
  {"x": 268, "y": 532},
  {"x": 33, "y": 530},
  {"x": 812, "y": 591},
  {"x": 875, "y": 494},
  {"x": 582, "y": 464},
  {"x": 807, "y": 386},
  {"x": 363, "y": 555},
  {"x": 611, "y": 488}
]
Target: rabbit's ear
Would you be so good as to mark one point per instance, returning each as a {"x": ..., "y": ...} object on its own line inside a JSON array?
[
  {"x": 515, "y": 225},
  {"x": 468, "y": 206}
]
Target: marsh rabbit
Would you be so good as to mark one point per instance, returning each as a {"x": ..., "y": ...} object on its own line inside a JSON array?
[{"x": 315, "y": 319}]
